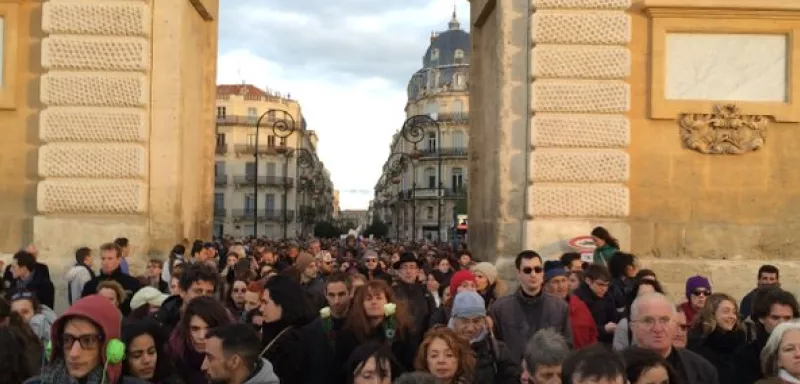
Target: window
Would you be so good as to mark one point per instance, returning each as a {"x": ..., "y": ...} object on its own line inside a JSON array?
[
  {"x": 458, "y": 107},
  {"x": 219, "y": 201},
  {"x": 283, "y": 142},
  {"x": 434, "y": 55},
  {"x": 269, "y": 201},
  {"x": 270, "y": 169},
  {"x": 271, "y": 141},
  {"x": 250, "y": 169},
  {"x": 221, "y": 112},
  {"x": 459, "y": 140},
  {"x": 252, "y": 112},
  {"x": 458, "y": 56},
  {"x": 219, "y": 168},
  {"x": 432, "y": 109},
  {"x": 429, "y": 213},
  {"x": 251, "y": 140},
  {"x": 429, "y": 177},
  {"x": 220, "y": 139},
  {"x": 431, "y": 141},
  {"x": 249, "y": 204},
  {"x": 457, "y": 183},
  {"x": 271, "y": 115}
]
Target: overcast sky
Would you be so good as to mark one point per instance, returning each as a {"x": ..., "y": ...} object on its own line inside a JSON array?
[{"x": 346, "y": 61}]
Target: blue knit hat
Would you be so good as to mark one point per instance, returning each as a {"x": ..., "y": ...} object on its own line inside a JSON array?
[
  {"x": 468, "y": 304},
  {"x": 553, "y": 268}
]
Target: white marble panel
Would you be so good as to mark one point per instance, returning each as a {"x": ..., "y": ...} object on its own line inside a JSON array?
[{"x": 735, "y": 67}]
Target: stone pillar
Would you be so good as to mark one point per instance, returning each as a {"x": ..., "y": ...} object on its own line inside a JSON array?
[
  {"x": 127, "y": 126},
  {"x": 94, "y": 125},
  {"x": 579, "y": 130}
]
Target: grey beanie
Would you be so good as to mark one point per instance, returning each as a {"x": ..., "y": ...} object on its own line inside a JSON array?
[{"x": 468, "y": 304}]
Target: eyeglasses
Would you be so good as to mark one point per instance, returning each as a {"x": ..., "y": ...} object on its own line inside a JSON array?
[
  {"x": 528, "y": 270},
  {"x": 700, "y": 292},
  {"x": 650, "y": 322},
  {"x": 88, "y": 342}
]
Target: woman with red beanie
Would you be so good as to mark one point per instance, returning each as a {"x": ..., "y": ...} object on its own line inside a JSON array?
[{"x": 462, "y": 281}]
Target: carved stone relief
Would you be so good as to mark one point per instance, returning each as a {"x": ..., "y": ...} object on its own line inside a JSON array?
[{"x": 725, "y": 131}]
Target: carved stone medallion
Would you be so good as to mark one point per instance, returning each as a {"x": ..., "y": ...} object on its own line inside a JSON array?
[{"x": 726, "y": 131}]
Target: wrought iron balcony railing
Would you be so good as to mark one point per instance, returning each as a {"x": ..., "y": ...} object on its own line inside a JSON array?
[
  {"x": 263, "y": 214},
  {"x": 274, "y": 181}
]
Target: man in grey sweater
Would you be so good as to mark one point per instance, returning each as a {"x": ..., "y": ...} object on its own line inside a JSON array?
[{"x": 519, "y": 315}]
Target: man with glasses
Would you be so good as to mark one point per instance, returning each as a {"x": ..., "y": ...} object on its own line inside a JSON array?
[
  {"x": 653, "y": 327},
  {"x": 80, "y": 339},
  {"x": 593, "y": 291},
  {"x": 517, "y": 317}
]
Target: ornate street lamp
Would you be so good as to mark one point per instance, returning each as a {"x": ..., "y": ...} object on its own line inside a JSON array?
[
  {"x": 281, "y": 128},
  {"x": 413, "y": 131}
]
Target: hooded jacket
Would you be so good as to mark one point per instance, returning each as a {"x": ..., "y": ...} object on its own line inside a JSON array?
[
  {"x": 264, "y": 375},
  {"x": 77, "y": 277},
  {"x": 100, "y": 312},
  {"x": 42, "y": 323}
]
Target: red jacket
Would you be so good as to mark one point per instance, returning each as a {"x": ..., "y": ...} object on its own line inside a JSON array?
[
  {"x": 584, "y": 330},
  {"x": 689, "y": 311}
]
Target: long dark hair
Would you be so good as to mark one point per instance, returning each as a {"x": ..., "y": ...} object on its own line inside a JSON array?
[
  {"x": 603, "y": 234},
  {"x": 136, "y": 328},
  {"x": 207, "y": 308},
  {"x": 15, "y": 367},
  {"x": 383, "y": 357},
  {"x": 296, "y": 307}
]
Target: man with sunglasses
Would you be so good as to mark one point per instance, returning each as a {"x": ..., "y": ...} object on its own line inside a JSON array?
[
  {"x": 80, "y": 339},
  {"x": 518, "y": 316}
]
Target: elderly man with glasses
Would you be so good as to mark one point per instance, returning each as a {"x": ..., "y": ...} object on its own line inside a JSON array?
[{"x": 653, "y": 327}]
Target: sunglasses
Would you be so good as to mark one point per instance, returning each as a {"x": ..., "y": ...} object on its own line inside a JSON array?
[
  {"x": 528, "y": 270},
  {"x": 700, "y": 292}
]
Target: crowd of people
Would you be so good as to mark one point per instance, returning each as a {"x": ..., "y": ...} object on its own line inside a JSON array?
[{"x": 326, "y": 311}]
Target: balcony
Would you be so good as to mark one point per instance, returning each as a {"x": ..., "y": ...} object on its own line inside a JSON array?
[
  {"x": 275, "y": 215},
  {"x": 458, "y": 117},
  {"x": 220, "y": 179},
  {"x": 271, "y": 181},
  {"x": 429, "y": 153},
  {"x": 221, "y": 149},
  {"x": 248, "y": 149},
  {"x": 250, "y": 121},
  {"x": 424, "y": 193}
]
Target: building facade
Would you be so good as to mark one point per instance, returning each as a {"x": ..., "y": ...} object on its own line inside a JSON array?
[
  {"x": 270, "y": 183},
  {"x": 424, "y": 181},
  {"x": 624, "y": 114}
]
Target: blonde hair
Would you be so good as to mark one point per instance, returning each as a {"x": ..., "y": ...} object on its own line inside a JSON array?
[
  {"x": 706, "y": 319},
  {"x": 769, "y": 355},
  {"x": 114, "y": 286}
]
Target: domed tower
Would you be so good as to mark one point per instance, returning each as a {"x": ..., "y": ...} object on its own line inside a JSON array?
[{"x": 445, "y": 65}]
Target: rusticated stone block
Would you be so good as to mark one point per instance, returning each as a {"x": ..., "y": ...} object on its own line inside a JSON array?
[
  {"x": 579, "y": 166},
  {"x": 580, "y": 62},
  {"x": 588, "y": 200},
  {"x": 95, "y": 89},
  {"x": 108, "y": 196},
  {"x": 110, "y": 18},
  {"x": 579, "y": 131},
  {"x": 581, "y": 27},
  {"x": 96, "y": 53},
  {"x": 103, "y": 160},
  {"x": 588, "y": 96},
  {"x": 581, "y": 4},
  {"x": 93, "y": 124}
]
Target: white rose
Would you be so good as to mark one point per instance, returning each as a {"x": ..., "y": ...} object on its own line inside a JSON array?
[
  {"x": 389, "y": 308},
  {"x": 325, "y": 312}
]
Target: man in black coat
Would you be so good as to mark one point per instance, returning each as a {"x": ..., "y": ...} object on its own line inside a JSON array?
[
  {"x": 40, "y": 269},
  {"x": 111, "y": 258},
  {"x": 408, "y": 288},
  {"x": 27, "y": 276}
]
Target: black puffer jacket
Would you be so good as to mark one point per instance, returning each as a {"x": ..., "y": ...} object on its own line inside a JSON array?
[{"x": 494, "y": 363}]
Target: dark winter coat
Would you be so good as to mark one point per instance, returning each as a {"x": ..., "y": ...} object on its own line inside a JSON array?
[
  {"x": 719, "y": 349},
  {"x": 301, "y": 355},
  {"x": 494, "y": 363},
  {"x": 602, "y": 310},
  {"x": 129, "y": 283},
  {"x": 747, "y": 357},
  {"x": 419, "y": 302}
]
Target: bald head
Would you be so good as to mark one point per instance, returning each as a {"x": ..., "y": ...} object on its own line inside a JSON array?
[{"x": 650, "y": 299}]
